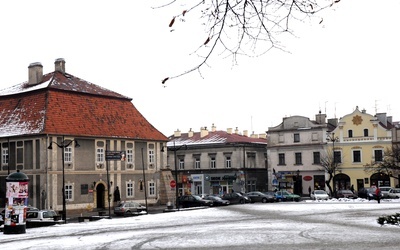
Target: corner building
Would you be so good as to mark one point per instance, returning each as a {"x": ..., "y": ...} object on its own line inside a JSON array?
[{"x": 61, "y": 110}]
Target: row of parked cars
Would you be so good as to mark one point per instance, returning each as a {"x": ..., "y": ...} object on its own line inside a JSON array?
[
  {"x": 366, "y": 193},
  {"x": 210, "y": 200}
]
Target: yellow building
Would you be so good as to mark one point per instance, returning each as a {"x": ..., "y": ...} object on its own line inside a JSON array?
[{"x": 359, "y": 139}]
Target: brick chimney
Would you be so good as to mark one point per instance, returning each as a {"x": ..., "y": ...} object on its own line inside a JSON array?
[
  {"x": 35, "y": 71},
  {"x": 177, "y": 133},
  {"x": 190, "y": 133},
  {"x": 203, "y": 132},
  {"x": 59, "y": 65},
  {"x": 213, "y": 128}
]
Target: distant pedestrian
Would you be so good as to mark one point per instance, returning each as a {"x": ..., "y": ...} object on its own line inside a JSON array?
[
  {"x": 352, "y": 188},
  {"x": 378, "y": 194},
  {"x": 309, "y": 191},
  {"x": 117, "y": 196}
]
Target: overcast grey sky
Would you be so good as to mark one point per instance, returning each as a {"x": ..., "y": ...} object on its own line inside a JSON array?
[{"x": 348, "y": 60}]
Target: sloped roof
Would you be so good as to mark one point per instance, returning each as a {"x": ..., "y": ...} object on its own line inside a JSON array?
[
  {"x": 66, "y": 105},
  {"x": 214, "y": 137}
]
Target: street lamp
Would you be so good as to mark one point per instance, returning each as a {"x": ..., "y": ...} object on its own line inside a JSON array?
[
  {"x": 176, "y": 171},
  {"x": 331, "y": 137},
  {"x": 64, "y": 144}
]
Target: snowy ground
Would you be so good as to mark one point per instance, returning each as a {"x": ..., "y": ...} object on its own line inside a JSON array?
[{"x": 287, "y": 225}]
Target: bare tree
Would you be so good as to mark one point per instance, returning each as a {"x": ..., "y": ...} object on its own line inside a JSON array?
[
  {"x": 242, "y": 27},
  {"x": 389, "y": 164},
  {"x": 329, "y": 165}
]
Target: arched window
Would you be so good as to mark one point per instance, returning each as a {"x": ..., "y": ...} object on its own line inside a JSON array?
[{"x": 350, "y": 133}]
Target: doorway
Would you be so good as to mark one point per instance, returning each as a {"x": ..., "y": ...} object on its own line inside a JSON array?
[{"x": 100, "y": 188}]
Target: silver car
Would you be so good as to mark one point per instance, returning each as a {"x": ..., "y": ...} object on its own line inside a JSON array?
[
  {"x": 129, "y": 208},
  {"x": 394, "y": 193}
]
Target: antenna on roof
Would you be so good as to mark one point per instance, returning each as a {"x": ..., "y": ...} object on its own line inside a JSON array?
[{"x": 251, "y": 122}]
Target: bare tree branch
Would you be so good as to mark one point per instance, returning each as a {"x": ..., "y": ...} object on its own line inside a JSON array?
[
  {"x": 389, "y": 165},
  {"x": 256, "y": 23}
]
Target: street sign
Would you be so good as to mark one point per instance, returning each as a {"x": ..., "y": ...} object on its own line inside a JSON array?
[
  {"x": 115, "y": 155},
  {"x": 172, "y": 183}
]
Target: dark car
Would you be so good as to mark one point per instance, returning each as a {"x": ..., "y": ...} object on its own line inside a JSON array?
[
  {"x": 257, "y": 196},
  {"x": 367, "y": 193},
  {"x": 218, "y": 201},
  {"x": 187, "y": 201},
  {"x": 271, "y": 193},
  {"x": 127, "y": 208},
  {"x": 236, "y": 198},
  {"x": 344, "y": 193}
]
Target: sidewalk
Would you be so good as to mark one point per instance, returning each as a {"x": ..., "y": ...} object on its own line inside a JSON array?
[{"x": 96, "y": 214}]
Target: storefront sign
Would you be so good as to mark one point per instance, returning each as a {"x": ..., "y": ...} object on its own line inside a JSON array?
[{"x": 307, "y": 178}]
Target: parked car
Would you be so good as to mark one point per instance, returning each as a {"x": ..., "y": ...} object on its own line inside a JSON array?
[
  {"x": 271, "y": 193},
  {"x": 345, "y": 193},
  {"x": 127, "y": 208},
  {"x": 41, "y": 215},
  {"x": 368, "y": 193},
  {"x": 394, "y": 193},
  {"x": 385, "y": 191},
  {"x": 257, "y": 196},
  {"x": 186, "y": 201},
  {"x": 284, "y": 195},
  {"x": 217, "y": 201},
  {"x": 236, "y": 198},
  {"x": 319, "y": 195}
]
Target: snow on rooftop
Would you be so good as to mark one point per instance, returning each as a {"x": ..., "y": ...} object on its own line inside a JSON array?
[{"x": 23, "y": 88}]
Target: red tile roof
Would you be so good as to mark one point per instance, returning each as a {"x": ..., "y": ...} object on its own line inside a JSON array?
[{"x": 66, "y": 105}]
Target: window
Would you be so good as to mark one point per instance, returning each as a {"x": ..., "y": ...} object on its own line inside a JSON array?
[
  {"x": 356, "y": 156},
  {"x": 100, "y": 155},
  {"x": 130, "y": 189},
  {"x": 68, "y": 154},
  {"x": 197, "y": 163},
  {"x": 366, "y": 132},
  {"x": 181, "y": 164},
  {"x": 228, "y": 162},
  {"x": 251, "y": 185},
  {"x": 4, "y": 156},
  {"x": 281, "y": 159},
  {"x": 298, "y": 158},
  {"x": 350, "y": 133},
  {"x": 337, "y": 157},
  {"x": 151, "y": 154},
  {"x": 212, "y": 162},
  {"x": 152, "y": 188},
  {"x": 316, "y": 158},
  {"x": 69, "y": 192},
  {"x": 20, "y": 152},
  {"x": 296, "y": 137},
  {"x": 129, "y": 156},
  {"x": 251, "y": 160},
  {"x": 378, "y": 153}
]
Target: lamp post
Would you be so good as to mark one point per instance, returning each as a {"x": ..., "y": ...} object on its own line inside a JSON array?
[
  {"x": 331, "y": 137},
  {"x": 176, "y": 172},
  {"x": 64, "y": 144}
]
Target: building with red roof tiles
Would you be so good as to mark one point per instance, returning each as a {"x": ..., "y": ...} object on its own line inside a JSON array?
[
  {"x": 61, "y": 110},
  {"x": 218, "y": 162}
]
